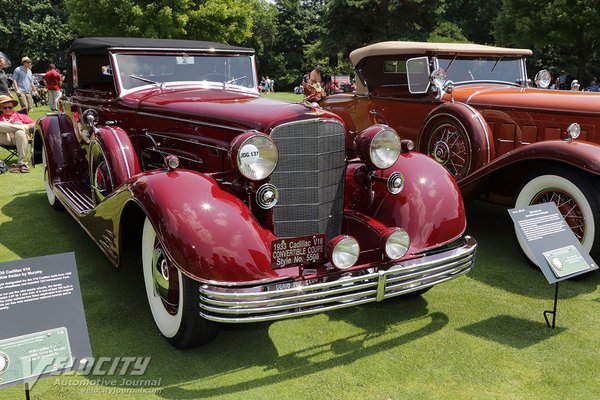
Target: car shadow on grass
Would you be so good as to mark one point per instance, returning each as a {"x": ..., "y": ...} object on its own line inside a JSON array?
[
  {"x": 510, "y": 331},
  {"x": 501, "y": 263}
]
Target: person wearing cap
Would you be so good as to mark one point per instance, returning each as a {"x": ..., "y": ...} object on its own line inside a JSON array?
[
  {"x": 14, "y": 130},
  {"x": 575, "y": 85},
  {"x": 23, "y": 82}
]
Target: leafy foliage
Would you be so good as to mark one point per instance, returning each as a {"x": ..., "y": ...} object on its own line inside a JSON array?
[
  {"x": 34, "y": 28},
  {"x": 216, "y": 20},
  {"x": 553, "y": 27}
]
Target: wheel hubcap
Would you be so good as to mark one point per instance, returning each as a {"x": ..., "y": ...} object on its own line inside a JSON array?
[
  {"x": 450, "y": 149},
  {"x": 166, "y": 283},
  {"x": 441, "y": 152},
  {"x": 567, "y": 206}
]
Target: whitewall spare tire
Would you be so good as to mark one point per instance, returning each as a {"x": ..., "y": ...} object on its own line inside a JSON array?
[{"x": 575, "y": 194}]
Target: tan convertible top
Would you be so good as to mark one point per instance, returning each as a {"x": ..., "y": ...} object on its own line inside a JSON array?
[{"x": 424, "y": 48}]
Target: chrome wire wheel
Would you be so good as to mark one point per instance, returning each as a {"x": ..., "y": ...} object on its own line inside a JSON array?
[
  {"x": 568, "y": 207},
  {"x": 449, "y": 145}
]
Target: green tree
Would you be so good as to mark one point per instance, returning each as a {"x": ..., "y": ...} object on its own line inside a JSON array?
[
  {"x": 552, "y": 26},
  {"x": 354, "y": 23},
  {"x": 264, "y": 36},
  {"x": 34, "y": 28},
  {"x": 474, "y": 18},
  {"x": 228, "y": 21}
]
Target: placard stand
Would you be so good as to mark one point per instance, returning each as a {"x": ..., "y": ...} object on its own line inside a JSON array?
[
  {"x": 551, "y": 244},
  {"x": 553, "y": 312},
  {"x": 27, "y": 397}
]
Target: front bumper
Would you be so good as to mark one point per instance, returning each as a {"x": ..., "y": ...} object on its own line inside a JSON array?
[{"x": 285, "y": 300}]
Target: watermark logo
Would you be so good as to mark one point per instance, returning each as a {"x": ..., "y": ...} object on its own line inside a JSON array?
[{"x": 4, "y": 363}]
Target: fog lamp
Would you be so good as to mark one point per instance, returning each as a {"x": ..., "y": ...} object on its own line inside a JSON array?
[
  {"x": 574, "y": 130},
  {"x": 395, "y": 183},
  {"x": 396, "y": 242},
  {"x": 267, "y": 196},
  {"x": 171, "y": 162},
  {"x": 343, "y": 251}
]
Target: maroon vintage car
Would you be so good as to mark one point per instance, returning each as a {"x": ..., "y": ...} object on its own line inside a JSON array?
[
  {"x": 240, "y": 208},
  {"x": 471, "y": 108}
]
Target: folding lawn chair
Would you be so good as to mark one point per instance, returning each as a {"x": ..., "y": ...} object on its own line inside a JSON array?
[{"x": 12, "y": 150}]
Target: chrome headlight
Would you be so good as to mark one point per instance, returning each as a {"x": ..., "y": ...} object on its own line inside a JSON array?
[
  {"x": 378, "y": 146},
  {"x": 343, "y": 251},
  {"x": 438, "y": 78},
  {"x": 542, "y": 79},
  {"x": 574, "y": 130},
  {"x": 254, "y": 155},
  {"x": 396, "y": 243}
]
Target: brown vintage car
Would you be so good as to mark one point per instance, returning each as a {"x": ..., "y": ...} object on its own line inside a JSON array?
[{"x": 472, "y": 108}]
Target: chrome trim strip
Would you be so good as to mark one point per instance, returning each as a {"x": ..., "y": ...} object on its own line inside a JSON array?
[
  {"x": 260, "y": 303},
  {"x": 122, "y": 151},
  {"x": 193, "y": 122},
  {"x": 197, "y": 142},
  {"x": 173, "y": 50}
]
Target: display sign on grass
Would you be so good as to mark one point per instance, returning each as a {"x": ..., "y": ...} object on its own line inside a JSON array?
[
  {"x": 549, "y": 238},
  {"x": 42, "y": 322}
]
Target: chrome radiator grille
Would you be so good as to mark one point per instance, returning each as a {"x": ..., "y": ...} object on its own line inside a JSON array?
[{"x": 310, "y": 178}]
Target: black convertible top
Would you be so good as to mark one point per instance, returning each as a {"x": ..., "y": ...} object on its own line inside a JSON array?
[{"x": 92, "y": 45}]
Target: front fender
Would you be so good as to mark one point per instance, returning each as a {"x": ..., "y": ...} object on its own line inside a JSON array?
[
  {"x": 429, "y": 208},
  {"x": 208, "y": 233},
  {"x": 579, "y": 154}
]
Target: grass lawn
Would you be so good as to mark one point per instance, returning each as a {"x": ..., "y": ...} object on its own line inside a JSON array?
[{"x": 481, "y": 336}]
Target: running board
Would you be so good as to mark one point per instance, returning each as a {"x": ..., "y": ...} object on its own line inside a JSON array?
[{"x": 77, "y": 195}]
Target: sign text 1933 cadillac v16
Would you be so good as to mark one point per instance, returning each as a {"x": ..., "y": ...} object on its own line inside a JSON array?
[
  {"x": 471, "y": 109},
  {"x": 240, "y": 208}
]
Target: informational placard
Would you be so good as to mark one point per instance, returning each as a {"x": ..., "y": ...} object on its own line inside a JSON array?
[
  {"x": 549, "y": 238},
  {"x": 42, "y": 321},
  {"x": 298, "y": 250}
]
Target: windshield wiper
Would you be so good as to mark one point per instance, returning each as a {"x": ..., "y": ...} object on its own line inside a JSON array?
[
  {"x": 226, "y": 83},
  {"x": 496, "y": 63},
  {"x": 159, "y": 84}
]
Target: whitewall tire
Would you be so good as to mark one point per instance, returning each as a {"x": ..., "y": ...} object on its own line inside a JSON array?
[
  {"x": 574, "y": 194},
  {"x": 172, "y": 296},
  {"x": 50, "y": 195}
]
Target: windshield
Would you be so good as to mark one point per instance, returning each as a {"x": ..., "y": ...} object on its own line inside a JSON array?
[
  {"x": 226, "y": 71},
  {"x": 503, "y": 69}
]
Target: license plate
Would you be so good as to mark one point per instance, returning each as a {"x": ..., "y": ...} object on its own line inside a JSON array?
[{"x": 298, "y": 250}]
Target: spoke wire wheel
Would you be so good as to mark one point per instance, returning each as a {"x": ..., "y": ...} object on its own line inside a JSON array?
[
  {"x": 574, "y": 198},
  {"x": 52, "y": 200},
  {"x": 449, "y": 145},
  {"x": 162, "y": 283}
]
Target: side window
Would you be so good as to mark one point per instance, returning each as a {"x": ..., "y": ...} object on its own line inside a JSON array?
[{"x": 418, "y": 74}]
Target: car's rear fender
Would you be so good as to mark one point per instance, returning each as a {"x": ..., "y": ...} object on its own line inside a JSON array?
[
  {"x": 208, "y": 233},
  {"x": 583, "y": 156},
  {"x": 54, "y": 132},
  {"x": 429, "y": 207}
]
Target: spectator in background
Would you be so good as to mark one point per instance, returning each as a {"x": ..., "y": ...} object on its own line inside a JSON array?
[
  {"x": 562, "y": 79},
  {"x": 4, "y": 89},
  {"x": 575, "y": 85},
  {"x": 14, "y": 131},
  {"x": 556, "y": 84},
  {"x": 594, "y": 86},
  {"x": 23, "y": 83},
  {"x": 53, "y": 81}
]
